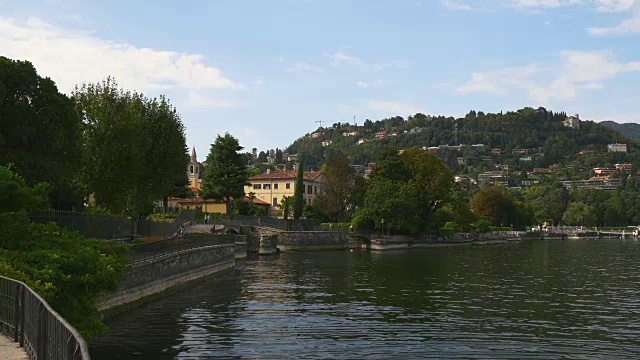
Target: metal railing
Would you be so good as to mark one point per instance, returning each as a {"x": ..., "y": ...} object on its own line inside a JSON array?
[{"x": 39, "y": 329}]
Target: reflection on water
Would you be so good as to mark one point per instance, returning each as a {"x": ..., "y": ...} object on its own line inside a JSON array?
[{"x": 541, "y": 299}]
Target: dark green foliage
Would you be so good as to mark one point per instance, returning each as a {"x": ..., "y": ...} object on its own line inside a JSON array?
[
  {"x": 491, "y": 203},
  {"x": 501, "y": 207},
  {"x": 298, "y": 202},
  {"x": 631, "y": 130},
  {"x": 68, "y": 270},
  {"x": 578, "y": 213},
  {"x": 245, "y": 208},
  {"x": 345, "y": 191},
  {"x": 527, "y": 128},
  {"x": 40, "y": 132},
  {"x": 287, "y": 203},
  {"x": 226, "y": 174},
  {"x": 405, "y": 191},
  {"x": 548, "y": 202},
  {"x": 134, "y": 147},
  {"x": 16, "y": 195}
]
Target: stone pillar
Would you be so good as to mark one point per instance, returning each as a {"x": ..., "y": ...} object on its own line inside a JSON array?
[{"x": 268, "y": 244}]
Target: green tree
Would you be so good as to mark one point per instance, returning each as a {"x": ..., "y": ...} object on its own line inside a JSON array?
[
  {"x": 66, "y": 269},
  {"x": 405, "y": 191},
  {"x": 134, "y": 147},
  {"x": 344, "y": 190},
  {"x": 16, "y": 195},
  {"x": 287, "y": 203},
  {"x": 492, "y": 204},
  {"x": 547, "y": 201},
  {"x": 40, "y": 132},
  {"x": 165, "y": 159},
  {"x": 226, "y": 173},
  {"x": 298, "y": 202},
  {"x": 579, "y": 214}
]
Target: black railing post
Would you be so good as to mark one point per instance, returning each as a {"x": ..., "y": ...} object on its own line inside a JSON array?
[
  {"x": 42, "y": 333},
  {"x": 71, "y": 349},
  {"x": 16, "y": 324},
  {"x": 23, "y": 320}
]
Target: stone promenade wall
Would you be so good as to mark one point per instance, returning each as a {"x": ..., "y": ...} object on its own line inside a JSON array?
[
  {"x": 165, "y": 264},
  {"x": 312, "y": 240}
]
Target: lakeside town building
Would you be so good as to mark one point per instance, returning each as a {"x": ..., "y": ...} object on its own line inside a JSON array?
[{"x": 272, "y": 187}]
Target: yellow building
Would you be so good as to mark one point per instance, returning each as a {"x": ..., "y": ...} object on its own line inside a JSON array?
[
  {"x": 273, "y": 187},
  {"x": 208, "y": 205}
]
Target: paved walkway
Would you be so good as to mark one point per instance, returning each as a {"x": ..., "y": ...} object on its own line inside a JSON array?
[
  {"x": 10, "y": 350},
  {"x": 200, "y": 228}
]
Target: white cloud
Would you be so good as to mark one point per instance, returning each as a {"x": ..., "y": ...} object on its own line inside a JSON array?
[
  {"x": 544, "y": 3},
  {"x": 392, "y": 107},
  {"x": 628, "y": 26},
  {"x": 362, "y": 84},
  {"x": 197, "y": 99},
  {"x": 298, "y": 66},
  {"x": 459, "y": 6},
  {"x": 339, "y": 58},
  {"x": 391, "y": 64},
  {"x": 259, "y": 81},
  {"x": 579, "y": 70},
  {"x": 72, "y": 57},
  {"x": 598, "y": 5},
  {"x": 500, "y": 82}
]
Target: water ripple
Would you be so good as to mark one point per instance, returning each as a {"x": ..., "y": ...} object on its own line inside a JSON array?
[{"x": 538, "y": 300}]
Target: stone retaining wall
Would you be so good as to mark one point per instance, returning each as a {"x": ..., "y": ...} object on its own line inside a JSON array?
[{"x": 167, "y": 265}]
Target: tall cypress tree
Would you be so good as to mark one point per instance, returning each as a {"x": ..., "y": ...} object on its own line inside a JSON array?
[
  {"x": 226, "y": 173},
  {"x": 298, "y": 205}
]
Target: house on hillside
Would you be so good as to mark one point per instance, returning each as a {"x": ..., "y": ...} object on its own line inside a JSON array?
[
  {"x": 326, "y": 143},
  {"x": 273, "y": 186},
  {"x": 600, "y": 171},
  {"x": 624, "y": 167},
  {"x": 572, "y": 122},
  {"x": 493, "y": 178},
  {"x": 617, "y": 147}
]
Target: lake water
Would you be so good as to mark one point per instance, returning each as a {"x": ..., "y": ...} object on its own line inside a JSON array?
[{"x": 574, "y": 299}]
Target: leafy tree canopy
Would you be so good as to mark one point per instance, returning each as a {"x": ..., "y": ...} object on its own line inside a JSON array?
[{"x": 226, "y": 173}]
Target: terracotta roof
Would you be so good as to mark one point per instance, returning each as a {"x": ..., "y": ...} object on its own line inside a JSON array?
[{"x": 286, "y": 174}]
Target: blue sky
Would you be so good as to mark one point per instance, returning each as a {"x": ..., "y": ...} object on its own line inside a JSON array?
[{"x": 266, "y": 71}]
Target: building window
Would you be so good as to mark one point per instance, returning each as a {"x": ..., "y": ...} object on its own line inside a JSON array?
[
  {"x": 266, "y": 187},
  {"x": 275, "y": 186},
  {"x": 197, "y": 169},
  {"x": 309, "y": 189},
  {"x": 288, "y": 186},
  {"x": 275, "y": 202},
  {"x": 315, "y": 189},
  {"x": 257, "y": 186},
  {"x": 191, "y": 169}
]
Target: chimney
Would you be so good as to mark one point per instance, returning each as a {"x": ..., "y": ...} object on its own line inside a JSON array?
[{"x": 268, "y": 171}]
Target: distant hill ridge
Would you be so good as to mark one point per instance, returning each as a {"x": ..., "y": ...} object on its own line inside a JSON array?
[
  {"x": 631, "y": 130},
  {"x": 508, "y": 138}
]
